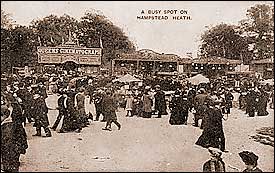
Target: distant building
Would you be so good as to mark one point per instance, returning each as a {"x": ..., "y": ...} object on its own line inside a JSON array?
[
  {"x": 145, "y": 62},
  {"x": 149, "y": 62},
  {"x": 263, "y": 67},
  {"x": 213, "y": 66}
]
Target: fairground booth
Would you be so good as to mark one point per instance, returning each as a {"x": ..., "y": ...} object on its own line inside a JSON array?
[
  {"x": 145, "y": 62},
  {"x": 68, "y": 58}
]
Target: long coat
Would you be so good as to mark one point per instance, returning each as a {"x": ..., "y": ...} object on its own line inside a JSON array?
[
  {"x": 13, "y": 143},
  {"x": 40, "y": 113},
  {"x": 160, "y": 103},
  {"x": 80, "y": 102},
  {"x": 179, "y": 110},
  {"x": 109, "y": 107},
  {"x": 262, "y": 103},
  {"x": 129, "y": 103},
  {"x": 228, "y": 99},
  {"x": 213, "y": 130},
  {"x": 147, "y": 103},
  {"x": 13, "y": 139}
]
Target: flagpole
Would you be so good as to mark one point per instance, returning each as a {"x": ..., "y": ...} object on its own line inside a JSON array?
[
  {"x": 100, "y": 41},
  {"x": 39, "y": 40}
]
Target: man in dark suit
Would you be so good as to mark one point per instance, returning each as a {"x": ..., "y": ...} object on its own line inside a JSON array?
[
  {"x": 199, "y": 105},
  {"x": 160, "y": 103},
  {"x": 251, "y": 102},
  {"x": 109, "y": 108},
  {"x": 62, "y": 111},
  {"x": 98, "y": 96},
  {"x": 228, "y": 101},
  {"x": 40, "y": 112}
]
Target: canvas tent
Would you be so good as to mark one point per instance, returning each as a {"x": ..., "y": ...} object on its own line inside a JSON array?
[
  {"x": 195, "y": 80},
  {"x": 127, "y": 79},
  {"x": 268, "y": 81}
]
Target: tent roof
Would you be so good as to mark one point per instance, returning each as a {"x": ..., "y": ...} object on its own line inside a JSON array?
[
  {"x": 242, "y": 68},
  {"x": 268, "y": 81},
  {"x": 127, "y": 78},
  {"x": 195, "y": 80}
]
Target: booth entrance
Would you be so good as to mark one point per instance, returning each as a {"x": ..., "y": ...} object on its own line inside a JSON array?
[{"x": 70, "y": 66}]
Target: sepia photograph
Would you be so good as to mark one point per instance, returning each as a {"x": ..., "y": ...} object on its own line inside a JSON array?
[{"x": 137, "y": 86}]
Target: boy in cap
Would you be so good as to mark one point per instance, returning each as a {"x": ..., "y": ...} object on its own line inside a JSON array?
[
  {"x": 250, "y": 159},
  {"x": 215, "y": 163}
]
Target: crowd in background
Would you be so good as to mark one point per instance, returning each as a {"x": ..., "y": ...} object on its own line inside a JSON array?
[{"x": 23, "y": 99}]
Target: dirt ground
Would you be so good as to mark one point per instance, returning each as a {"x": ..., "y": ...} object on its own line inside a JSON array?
[{"x": 143, "y": 145}]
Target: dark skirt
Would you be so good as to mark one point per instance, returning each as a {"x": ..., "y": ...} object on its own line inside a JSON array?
[
  {"x": 176, "y": 118},
  {"x": 147, "y": 114}
]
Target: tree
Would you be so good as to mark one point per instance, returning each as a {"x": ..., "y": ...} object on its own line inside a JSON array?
[
  {"x": 88, "y": 32},
  {"x": 6, "y": 37},
  {"x": 223, "y": 41},
  {"x": 5, "y": 49},
  {"x": 95, "y": 27},
  {"x": 259, "y": 28},
  {"x": 6, "y": 20},
  {"x": 53, "y": 29}
]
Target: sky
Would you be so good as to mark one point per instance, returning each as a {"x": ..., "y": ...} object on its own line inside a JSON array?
[{"x": 163, "y": 36}]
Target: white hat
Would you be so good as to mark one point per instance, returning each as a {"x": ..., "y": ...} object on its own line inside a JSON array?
[
  {"x": 147, "y": 87},
  {"x": 215, "y": 151}
]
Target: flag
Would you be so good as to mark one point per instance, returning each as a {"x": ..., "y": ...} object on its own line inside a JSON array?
[
  {"x": 39, "y": 41},
  {"x": 100, "y": 42},
  {"x": 52, "y": 39}
]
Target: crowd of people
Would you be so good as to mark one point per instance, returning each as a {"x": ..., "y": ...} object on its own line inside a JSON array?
[{"x": 23, "y": 100}]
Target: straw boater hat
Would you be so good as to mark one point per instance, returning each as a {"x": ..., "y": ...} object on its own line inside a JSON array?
[
  {"x": 202, "y": 90},
  {"x": 215, "y": 152}
]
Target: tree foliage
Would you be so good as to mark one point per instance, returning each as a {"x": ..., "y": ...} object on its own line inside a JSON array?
[
  {"x": 95, "y": 27},
  {"x": 88, "y": 32},
  {"x": 253, "y": 38},
  {"x": 259, "y": 28},
  {"x": 53, "y": 29},
  {"x": 6, "y": 20},
  {"x": 223, "y": 41},
  {"x": 18, "y": 48}
]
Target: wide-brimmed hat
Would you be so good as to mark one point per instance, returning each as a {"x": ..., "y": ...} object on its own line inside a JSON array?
[
  {"x": 157, "y": 86},
  {"x": 248, "y": 157}
]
